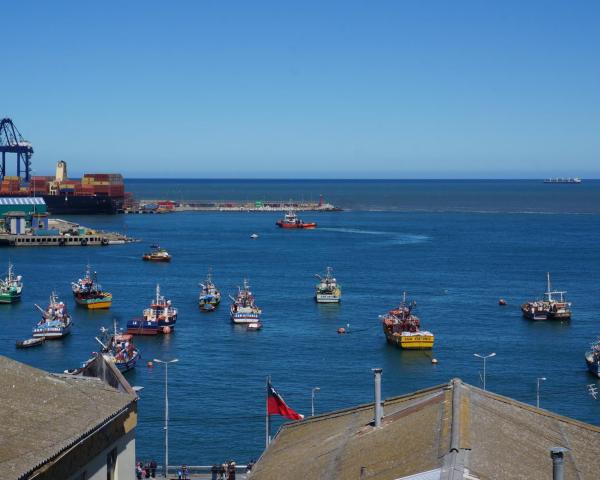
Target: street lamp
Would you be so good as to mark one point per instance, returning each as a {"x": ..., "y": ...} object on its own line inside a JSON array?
[
  {"x": 312, "y": 400},
  {"x": 538, "y": 390},
  {"x": 166, "y": 363},
  {"x": 485, "y": 357}
]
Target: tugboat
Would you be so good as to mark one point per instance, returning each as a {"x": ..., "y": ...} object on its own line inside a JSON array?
[
  {"x": 592, "y": 358},
  {"x": 119, "y": 349},
  {"x": 243, "y": 310},
  {"x": 550, "y": 308},
  {"x": 160, "y": 317},
  {"x": 291, "y": 220},
  {"x": 55, "y": 322},
  {"x": 328, "y": 290},
  {"x": 210, "y": 296},
  {"x": 11, "y": 287},
  {"x": 88, "y": 292},
  {"x": 403, "y": 329},
  {"x": 157, "y": 254}
]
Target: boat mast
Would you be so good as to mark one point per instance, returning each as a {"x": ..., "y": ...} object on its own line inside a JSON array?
[{"x": 549, "y": 287}]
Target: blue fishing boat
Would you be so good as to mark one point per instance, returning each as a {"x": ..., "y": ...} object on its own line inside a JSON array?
[
  {"x": 56, "y": 321},
  {"x": 210, "y": 296},
  {"x": 119, "y": 349},
  {"x": 160, "y": 317},
  {"x": 592, "y": 358}
]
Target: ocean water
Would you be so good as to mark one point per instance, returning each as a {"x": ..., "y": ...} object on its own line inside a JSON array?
[{"x": 455, "y": 259}]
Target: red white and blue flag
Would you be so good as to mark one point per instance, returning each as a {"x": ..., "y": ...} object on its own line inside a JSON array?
[{"x": 276, "y": 405}]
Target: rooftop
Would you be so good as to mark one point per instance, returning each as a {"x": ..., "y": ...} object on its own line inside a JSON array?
[
  {"x": 43, "y": 414},
  {"x": 22, "y": 201},
  {"x": 451, "y": 431}
]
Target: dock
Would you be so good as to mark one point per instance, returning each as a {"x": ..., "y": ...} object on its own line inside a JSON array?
[{"x": 61, "y": 233}]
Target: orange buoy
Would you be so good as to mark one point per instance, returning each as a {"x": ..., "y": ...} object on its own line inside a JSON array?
[
  {"x": 501, "y": 302},
  {"x": 341, "y": 330},
  {"x": 149, "y": 364}
]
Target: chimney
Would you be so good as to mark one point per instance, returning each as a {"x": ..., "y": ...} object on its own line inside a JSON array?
[
  {"x": 378, "y": 406},
  {"x": 558, "y": 462}
]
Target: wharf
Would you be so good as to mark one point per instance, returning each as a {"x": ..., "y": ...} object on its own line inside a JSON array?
[
  {"x": 64, "y": 234},
  {"x": 170, "y": 206}
]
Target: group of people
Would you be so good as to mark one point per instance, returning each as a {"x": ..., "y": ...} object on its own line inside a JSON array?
[
  {"x": 145, "y": 470},
  {"x": 225, "y": 471}
]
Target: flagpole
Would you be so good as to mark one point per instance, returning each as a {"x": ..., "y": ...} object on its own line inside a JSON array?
[{"x": 267, "y": 417}]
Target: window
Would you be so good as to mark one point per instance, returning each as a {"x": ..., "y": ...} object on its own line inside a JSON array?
[{"x": 111, "y": 463}]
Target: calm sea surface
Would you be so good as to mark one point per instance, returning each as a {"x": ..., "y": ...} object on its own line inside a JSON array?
[{"x": 455, "y": 247}]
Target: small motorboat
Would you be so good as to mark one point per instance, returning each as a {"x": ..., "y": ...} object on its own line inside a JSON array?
[
  {"x": 30, "y": 342},
  {"x": 207, "y": 307},
  {"x": 502, "y": 302},
  {"x": 254, "y": 236},
  {"x": 254, "y": 326}
]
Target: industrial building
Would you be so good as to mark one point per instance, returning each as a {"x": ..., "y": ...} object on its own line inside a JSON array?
[
  {"x": 452, "y": 431},
  {"x": 19, "y": 213},
  {"x": 68, "y": 427}
]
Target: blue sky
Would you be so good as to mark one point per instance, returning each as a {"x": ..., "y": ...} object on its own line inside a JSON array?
[{"x": 346, "y": 89}]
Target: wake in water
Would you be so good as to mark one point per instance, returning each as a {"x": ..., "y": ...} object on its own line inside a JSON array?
[{"x": 393, "y": 238}]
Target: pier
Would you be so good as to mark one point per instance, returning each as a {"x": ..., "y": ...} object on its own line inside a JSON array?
[{"x": 171, "y": 206}]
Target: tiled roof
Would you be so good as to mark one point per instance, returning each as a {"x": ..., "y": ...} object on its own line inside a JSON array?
[
  {"x": 451, "y": 431},
  {"x": 42, "y": 414}
]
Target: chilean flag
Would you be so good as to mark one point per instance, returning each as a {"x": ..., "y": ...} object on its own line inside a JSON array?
[{"x": 276, "y": 405}]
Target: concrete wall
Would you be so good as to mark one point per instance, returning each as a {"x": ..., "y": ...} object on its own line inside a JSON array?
[{"x": 95, "y": 469}]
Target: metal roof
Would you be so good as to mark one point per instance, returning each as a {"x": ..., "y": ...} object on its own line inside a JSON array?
[
  {"x": 43, "y": 414},
  {"x": 452, "y": 432},
  {"x": 22, "y": 201}
]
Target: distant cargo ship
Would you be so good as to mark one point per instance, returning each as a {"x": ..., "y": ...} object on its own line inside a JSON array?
[
  {"x": 94, "y": 193},
  {"x": 563, "y": 180}
]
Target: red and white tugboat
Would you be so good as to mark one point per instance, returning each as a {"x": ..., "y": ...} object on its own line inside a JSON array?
[{"x": 291, "y": 220}]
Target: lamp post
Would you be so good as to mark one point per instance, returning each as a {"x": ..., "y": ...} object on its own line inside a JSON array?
[
  {"x": 166, "y": 363},
  {"x": 538, "y": 390},
  {"x": 312, "y": 400},
  {"x": 484, "y": 357}
]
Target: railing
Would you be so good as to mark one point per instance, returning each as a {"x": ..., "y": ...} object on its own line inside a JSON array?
[{"x": 194, "y": 470}]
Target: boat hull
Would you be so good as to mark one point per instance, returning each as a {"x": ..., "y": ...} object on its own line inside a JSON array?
[
  {"x": 296, "y": 226},
  {"x": 245, "y": 318},
  {"x": 10, "y": 297},
  {"x": 593, "y": 367},
  {"x": 128, "y": 365},
  {"x": 327, "y": 298},
  {"x": 30, "y": 342},
  {"x": 51, "y": 333},
  {"x": 94, "y": 303},
  {"x": 142, "y": 327},
  {"x": 148, "y": 258},
  {"x": 411, "y": 342}
]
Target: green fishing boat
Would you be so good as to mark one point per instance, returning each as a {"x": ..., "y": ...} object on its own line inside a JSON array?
[{"x": 11, "y": 287}]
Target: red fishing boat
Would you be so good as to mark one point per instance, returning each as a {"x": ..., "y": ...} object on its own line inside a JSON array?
[{"x": 291, "y": 220}]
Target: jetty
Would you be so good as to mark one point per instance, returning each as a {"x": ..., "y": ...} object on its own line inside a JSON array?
[{"x": 172, "y": 206}]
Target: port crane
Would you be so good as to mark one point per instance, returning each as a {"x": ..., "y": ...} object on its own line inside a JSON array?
[{"x": 11, "y": 141}]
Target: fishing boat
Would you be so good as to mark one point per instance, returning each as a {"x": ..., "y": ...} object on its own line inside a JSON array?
[
  {"x": 210, "y": 296},
  {"x": 552, "y": 307},
  {"x": 328, "y": 290},
  {"x": 56, "y": 321},
  {"x": 157, "y": 254},
  {"x": 403, "y": 329},
  {"x": 88, "y": 292},
  {"x": 254, "y": 326},
  {"x": 119, "y": 349},
  {"x": 160, "y": 317},
  {"x": 11, "y": 287},
  {"x": 243, "y": 309},
  {"x": 30, "y": 342},
  {"x": 592, "y": 358},
  {"x": 291, "y": 220}
]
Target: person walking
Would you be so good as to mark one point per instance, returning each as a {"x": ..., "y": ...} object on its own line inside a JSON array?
[
  {"x": 222, "y": 472},
  {"x": 153, "y": 466}
]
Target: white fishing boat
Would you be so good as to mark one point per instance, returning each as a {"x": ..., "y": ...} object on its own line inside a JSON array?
[
  {"x": 243, "y": 309},
  {"x": 328, "y": 290},
  {"x": 55, "y": 322}
]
